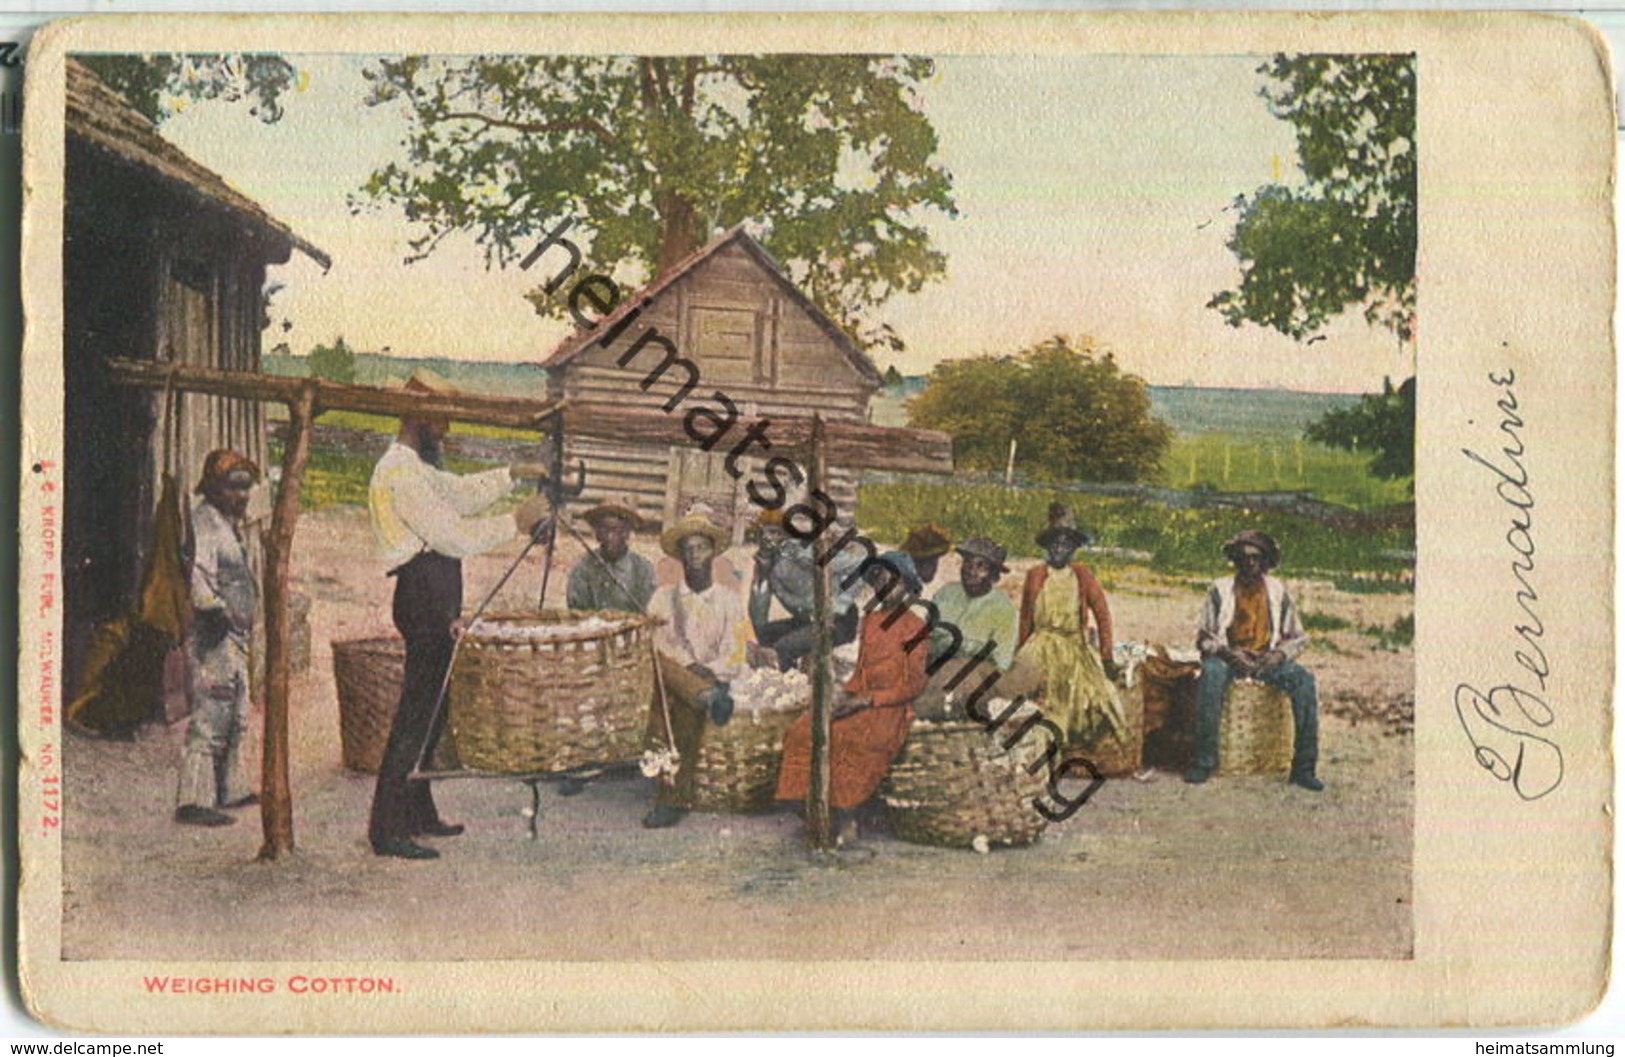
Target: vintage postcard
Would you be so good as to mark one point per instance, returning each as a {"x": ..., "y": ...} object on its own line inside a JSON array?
[{"x": 1027, "y": 522}]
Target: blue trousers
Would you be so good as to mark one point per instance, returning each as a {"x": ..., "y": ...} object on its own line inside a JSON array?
[{"x": 1290, "y": 678}]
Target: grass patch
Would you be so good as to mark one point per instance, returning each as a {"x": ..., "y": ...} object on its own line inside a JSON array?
[
  {"x": 1325, "y": 622},
  {"x": 1225, "y": 462},
  {"x": 1398, "y": 635},
  {"x": 340, "y": 479},
  {"x": 1180, "y": 541}
]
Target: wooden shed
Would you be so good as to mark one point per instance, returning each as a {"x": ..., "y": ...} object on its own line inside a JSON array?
[
  {"x": 162, "y": 261},
  {"x": 731, "y": 310}
]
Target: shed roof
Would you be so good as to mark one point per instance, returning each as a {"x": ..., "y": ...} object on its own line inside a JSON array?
[
  {"x": 104, "y": 118},
  {"x": 575, "y": 344}
]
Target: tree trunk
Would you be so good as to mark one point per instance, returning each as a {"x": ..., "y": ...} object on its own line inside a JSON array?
[
  {"x": 680, "y": 235},
  {"x": 276, "y": 796},
  {"x": 820, "y": 824}
]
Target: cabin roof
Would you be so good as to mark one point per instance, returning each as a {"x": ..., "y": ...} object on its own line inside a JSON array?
[
  {"x": 102, "y": 117},
  {"x": 575, "y": 344}
]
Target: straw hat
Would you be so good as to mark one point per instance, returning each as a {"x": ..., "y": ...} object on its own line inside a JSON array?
[
  {"x": 1061, "y": 526},
  {"x": 624, "y": 507},
  {"x": 697, "y": 522},
  {"x": 424, "y": 380},
  {"x": 927, "y": 541},
  {"x": 986, "y": 549},
  {"x": 1263, "y": 541}
]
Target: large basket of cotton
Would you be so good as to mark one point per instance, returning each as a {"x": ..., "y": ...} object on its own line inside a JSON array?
[
  {"x": 551, "y": 691},
  {"x": 737, "y": 769}
]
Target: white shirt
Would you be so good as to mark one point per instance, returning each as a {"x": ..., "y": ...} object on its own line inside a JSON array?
[
  {"x": 706, "y": 628},
  {"x": 416, "y": 507}
]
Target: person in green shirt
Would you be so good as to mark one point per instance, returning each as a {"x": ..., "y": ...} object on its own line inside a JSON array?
[
  {"x": 612, "y": 577},
  {"x": 982, "y": 614}
]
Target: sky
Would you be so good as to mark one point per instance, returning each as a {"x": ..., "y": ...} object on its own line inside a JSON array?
[{"x": 1093, "y": 194}]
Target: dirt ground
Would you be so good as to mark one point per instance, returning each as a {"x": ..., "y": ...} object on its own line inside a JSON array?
[{"x": 1237, "y": 868}]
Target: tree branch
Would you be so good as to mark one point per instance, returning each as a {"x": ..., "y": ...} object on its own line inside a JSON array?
[{"x": 540, "y": 128}]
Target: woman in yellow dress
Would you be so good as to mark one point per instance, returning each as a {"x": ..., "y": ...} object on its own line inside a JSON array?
[{"x": 1058, "y": 599}]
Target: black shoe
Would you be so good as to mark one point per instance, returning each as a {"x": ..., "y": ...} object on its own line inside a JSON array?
[
  {"x": 194, "y": 815},
  {"x": 243, "y": 801},
  {"x": 442, "y": 829},
  {"x": 1307, "y": 781},
  {"x": 403, "y": 849},
  {"x": 571, "y": 786},
  {"x": 722, "y": 709},
  {"x": 663, "y": 816},
  {"x": 1198, "y": 775}
]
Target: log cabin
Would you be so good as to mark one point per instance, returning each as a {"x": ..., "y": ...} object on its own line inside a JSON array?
[{"x": 752, "y": 335}]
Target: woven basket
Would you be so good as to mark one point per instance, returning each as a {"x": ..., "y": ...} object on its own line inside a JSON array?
[
  {"x": 1114, "y": 758},
  {"x": 551, "y": 702},
  {"x": 737, "y": 768},
  {"x": 369, "y": 673},
  {"x": 954, "y": 782},
  {"x": 1255, "y": 730}
]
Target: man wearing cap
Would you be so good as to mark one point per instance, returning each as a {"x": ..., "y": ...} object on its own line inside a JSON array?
[
  {"x": 224, "y": 602},
  {"x": 424, "y": 522},
  {"x": 926, "y": 545},
  {"x": 985, "y": 618},
  {"x": 1250, "y": 630},
  {"x": 612, "y": 577},
  {"x": 1058, "y": 598},
  {"x": 872, "y": 709},
  {"x": 701, "y": 649},
  {"x": 786, "y": 570}
]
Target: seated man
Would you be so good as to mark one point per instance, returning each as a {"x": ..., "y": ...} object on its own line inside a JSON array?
[
  {"x": 701, "y": 648},
  {"x": 926, "y": 544},
  {"x": 985, "y": 618},
  {"x": 612, "y": 577},
  {"x": 1250, "y": 630},
  {"x": 786, "y": 571}
]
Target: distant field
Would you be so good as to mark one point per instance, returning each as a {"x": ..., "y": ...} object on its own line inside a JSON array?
[{"x": 1228, "y": 463}]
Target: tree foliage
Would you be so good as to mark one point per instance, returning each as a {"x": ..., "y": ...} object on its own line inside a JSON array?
[
  {"x": 828, "y": 158},
  {"x": 159, "y": 85},
  {"x": 1381, "y": 423},
  {"x": 1073, "y": 413},
  {"x": 335, "y": 362},
  {"x": 1347, "y": 235}
]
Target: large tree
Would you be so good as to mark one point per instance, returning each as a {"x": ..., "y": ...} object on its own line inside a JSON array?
[
  {"x": 1072, "y": 412},
  {"x": 1346, "y": 235},
  {"x": 1381, "y": 424},
  {"x": 828, "y": 157},
  {"x": 158, "y": 84}
]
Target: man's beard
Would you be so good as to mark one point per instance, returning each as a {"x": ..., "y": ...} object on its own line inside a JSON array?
[{"x": 428, "y": 446}]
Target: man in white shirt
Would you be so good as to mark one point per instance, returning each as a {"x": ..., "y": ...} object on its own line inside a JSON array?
[
  {"x": 700, "y": 648},
  {"x": 424, "y": 522}
]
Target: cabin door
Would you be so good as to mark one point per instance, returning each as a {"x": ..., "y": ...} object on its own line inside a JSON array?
[{"x": 694, "y": 476}]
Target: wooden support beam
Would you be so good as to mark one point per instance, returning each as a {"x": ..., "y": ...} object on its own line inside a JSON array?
[
  {"x": 276, "y": 796},
  {"x": 515, "y": 412},
  {"x": 820, "y": 824}
]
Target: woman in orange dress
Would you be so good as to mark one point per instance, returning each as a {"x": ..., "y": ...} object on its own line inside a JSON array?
[{"x": 873, "y": 709}]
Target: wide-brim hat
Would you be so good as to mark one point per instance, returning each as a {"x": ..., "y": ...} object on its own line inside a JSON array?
[
  {"x": 693, "y": 523},
  {"x": 927, "y": 541},
  {"x": 986, "y": 549},
  {"x": 623, "y": 507},
  {"x": 1254, "y": 538},
  {"x": 423, "y": 380}
]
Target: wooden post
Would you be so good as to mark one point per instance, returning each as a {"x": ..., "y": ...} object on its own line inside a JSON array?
[
  {"x": 276, "y": 797},
  {"x": 820, "y": 823},
  {"x": 1010, "y": 463}
]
